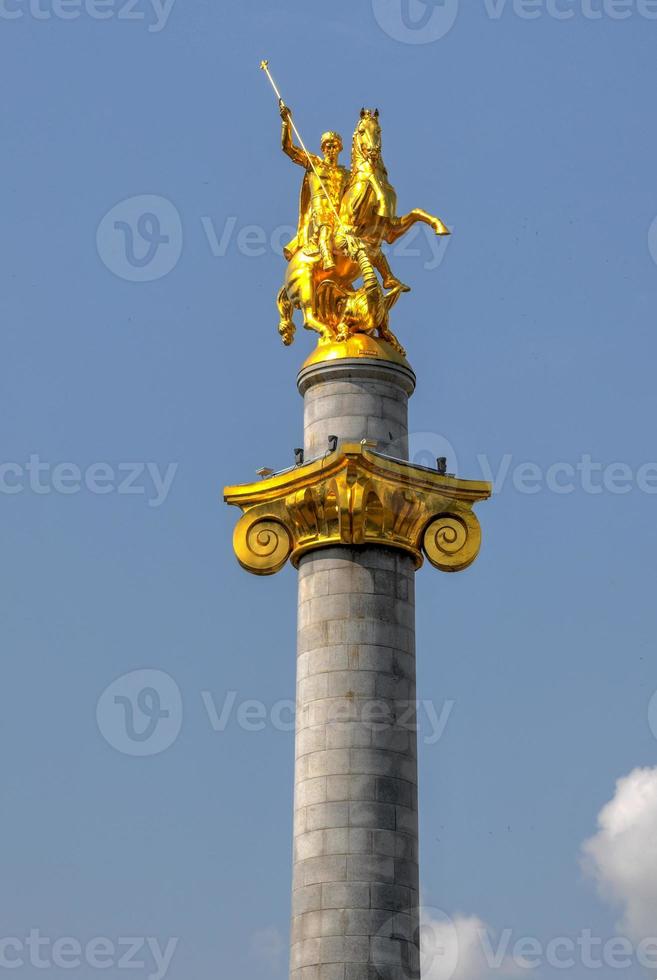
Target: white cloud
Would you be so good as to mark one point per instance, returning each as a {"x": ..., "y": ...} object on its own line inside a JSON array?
[
  {"x": 464, "y": 948},
  {"x": 622, "y": 857}
]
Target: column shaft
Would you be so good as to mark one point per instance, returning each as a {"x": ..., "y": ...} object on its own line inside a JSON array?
[{"x": 355, "y": 892}]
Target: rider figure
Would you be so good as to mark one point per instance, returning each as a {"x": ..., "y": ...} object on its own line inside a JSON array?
[{"x": 318, "y": 221}]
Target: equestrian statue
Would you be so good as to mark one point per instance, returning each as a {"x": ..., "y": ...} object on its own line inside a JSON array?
[{"x": 337, "y": 274}]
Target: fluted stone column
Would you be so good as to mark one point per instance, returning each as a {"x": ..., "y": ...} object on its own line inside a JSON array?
[{"x": 355, "y": 892}]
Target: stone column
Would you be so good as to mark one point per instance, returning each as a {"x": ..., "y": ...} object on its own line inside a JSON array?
[
  {"x": 355, "y": 892},
  {"x": 356, "y": 400}
]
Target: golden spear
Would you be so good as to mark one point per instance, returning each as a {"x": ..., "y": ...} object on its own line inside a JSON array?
[{"x": 265, "y": 67}]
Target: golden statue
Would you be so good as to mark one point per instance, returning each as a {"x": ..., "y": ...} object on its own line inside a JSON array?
[{"x": 344, "y": 218}]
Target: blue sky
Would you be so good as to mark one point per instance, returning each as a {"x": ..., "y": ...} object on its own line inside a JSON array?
[{"x": 134, "y": 390}]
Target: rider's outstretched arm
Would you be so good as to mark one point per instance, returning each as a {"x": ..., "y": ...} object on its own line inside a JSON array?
[{"x": 294, "y": 152}]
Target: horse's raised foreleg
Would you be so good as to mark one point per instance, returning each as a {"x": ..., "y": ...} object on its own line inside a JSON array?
[{"x": 399, "y": 226}]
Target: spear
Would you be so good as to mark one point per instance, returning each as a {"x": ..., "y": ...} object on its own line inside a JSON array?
[{"x": 265, "y": 67}]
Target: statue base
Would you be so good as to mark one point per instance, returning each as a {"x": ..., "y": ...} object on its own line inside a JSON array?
[{"x": 357, "y": 346}]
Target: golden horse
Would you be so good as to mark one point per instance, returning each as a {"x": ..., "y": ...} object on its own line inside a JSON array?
[{"x": 369, "y": 205}]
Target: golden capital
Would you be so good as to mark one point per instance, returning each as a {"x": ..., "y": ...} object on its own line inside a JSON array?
[{"x": 356, "y": 496}]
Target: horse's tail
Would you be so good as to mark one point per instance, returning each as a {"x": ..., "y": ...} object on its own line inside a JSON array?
[{"x": 286, "y": 327}]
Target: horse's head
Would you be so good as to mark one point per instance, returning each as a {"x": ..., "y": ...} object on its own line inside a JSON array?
[{"x": 367, "y": 139}]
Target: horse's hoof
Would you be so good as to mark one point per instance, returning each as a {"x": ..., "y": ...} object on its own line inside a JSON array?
[
  {"x": 287, "y": 334},
  {"x": 393, "y": 283}
]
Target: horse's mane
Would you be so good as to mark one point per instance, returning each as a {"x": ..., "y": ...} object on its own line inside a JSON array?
[{"x": 357, "y": 157}]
